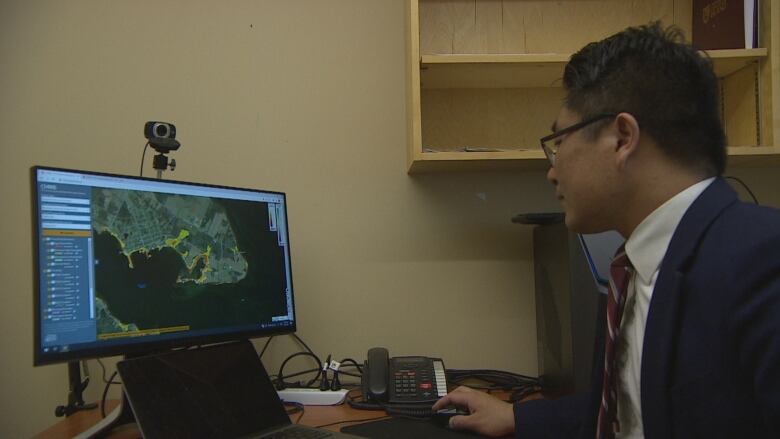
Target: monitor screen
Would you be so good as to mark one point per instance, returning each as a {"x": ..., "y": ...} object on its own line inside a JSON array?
[{"x": 128, "y": 264}]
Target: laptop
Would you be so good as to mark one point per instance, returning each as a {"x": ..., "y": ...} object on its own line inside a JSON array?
[
  {"x": 215, "y": 391},
  {"x": 599, "y": 249}
]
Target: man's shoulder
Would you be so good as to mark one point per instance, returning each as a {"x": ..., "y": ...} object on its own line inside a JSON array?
[
  {"x": 719, "y": 204},
  {"x": 745, "y": 221},
  {"x": 740, "y": 243}
]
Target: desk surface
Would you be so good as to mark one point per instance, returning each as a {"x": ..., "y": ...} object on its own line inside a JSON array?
[
  {"x": 313, "y": 416},
  {"x": 332, "y": 417}
]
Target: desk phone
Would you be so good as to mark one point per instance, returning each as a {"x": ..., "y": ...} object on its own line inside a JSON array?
[{"x": 402, "y": 380}]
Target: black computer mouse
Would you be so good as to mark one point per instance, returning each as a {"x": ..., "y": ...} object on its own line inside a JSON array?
[{"x": 442, "y": 417}]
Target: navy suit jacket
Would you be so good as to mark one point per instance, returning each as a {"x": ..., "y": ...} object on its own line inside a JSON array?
[{"x": 711, "y": 355}]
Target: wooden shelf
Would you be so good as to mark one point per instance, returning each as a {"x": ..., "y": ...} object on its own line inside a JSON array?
[
  {"x": 492, "y": 71},
  {"x": 478, "y": 161},
  {"x": 753, "y": 156},
  {"x": 535, "y": 160},
  {"x": 484, "y": 74},
  {"x": 536, "y": 70},
  {"x": 728, "y": 61}
]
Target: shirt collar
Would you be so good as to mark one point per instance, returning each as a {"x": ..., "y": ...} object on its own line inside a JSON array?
[{"x": 647, "y": 245}]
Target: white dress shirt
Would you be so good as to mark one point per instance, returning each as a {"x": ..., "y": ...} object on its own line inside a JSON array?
[{"x": 646, "y": 248}]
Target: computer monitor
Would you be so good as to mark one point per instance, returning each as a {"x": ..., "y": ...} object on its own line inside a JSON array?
[{"x": 128, "y": 265}]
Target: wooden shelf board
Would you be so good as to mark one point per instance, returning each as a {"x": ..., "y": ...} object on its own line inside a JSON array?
[
  {"x": 535, "y": 160},
  {"x": 753, "y": 156},
  {"x": 728, "y": 61},
  {"x": 492, "y": 71},
  {"x": 536, "y": 70},
  {"x": 496, "y": 58},
  {"x": 478, "y": 161}
]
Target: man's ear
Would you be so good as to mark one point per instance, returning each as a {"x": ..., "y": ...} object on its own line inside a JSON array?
[{"x": 627, "y": 136}]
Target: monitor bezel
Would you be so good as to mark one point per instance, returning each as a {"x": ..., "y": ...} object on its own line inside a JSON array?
[{"x": 40, "y": 358}]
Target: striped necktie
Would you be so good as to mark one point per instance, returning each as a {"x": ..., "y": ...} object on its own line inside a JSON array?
[{"x": 620, "y": 273}]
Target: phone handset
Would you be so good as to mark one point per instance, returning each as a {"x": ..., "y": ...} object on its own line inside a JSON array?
[{"x": 376, "y": 375}]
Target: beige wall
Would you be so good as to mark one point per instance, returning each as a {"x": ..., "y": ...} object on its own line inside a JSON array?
[{"x": 305, "y": 97}]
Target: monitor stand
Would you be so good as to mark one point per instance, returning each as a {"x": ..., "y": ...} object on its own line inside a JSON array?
[
  {"x": 76, "y": 392},
  {"x": 121, "y": 415}
]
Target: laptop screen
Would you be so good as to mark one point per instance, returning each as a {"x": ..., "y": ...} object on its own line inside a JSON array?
[
  {"x": 599, "y": 249},
  {"x": 215, "y": 391}
]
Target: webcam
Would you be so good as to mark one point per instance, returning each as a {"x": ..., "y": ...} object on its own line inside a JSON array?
[
  {"x": 162, "y": 136},
  {"x": 159, "y": 130}
]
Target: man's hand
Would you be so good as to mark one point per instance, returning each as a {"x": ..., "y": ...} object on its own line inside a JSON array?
[{"x": 488, "y": 415}]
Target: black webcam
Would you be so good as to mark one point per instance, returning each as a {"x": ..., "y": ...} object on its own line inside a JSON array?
[
  {"x": 162, "y": 136},
  {"x": 159, "y": 130}
]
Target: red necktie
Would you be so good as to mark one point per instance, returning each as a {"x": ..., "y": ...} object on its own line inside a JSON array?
[{"x": 620, "y": 273}]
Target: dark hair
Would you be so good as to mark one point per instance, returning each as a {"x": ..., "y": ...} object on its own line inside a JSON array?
[{"x": 663, "y": 82}]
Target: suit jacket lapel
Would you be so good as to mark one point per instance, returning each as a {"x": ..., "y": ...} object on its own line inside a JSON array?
[{"x": 662, "y": 317}]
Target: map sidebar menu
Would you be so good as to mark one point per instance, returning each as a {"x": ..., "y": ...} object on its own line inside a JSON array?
[{"x": 66, "y": 279}]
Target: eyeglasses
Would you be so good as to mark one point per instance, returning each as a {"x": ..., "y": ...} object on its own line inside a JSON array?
[{"x": 551, "y": 143}]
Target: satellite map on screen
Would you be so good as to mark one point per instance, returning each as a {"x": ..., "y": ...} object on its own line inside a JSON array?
[{"x": 169, "y": 263}]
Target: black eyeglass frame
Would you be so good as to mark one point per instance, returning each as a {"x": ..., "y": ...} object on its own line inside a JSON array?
[{"x": 570, "y": 129}]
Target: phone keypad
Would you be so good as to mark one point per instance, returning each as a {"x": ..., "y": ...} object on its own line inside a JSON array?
[
  {"x": 405, "y": 383},
  {"x": 416, "y": 380},
  {"x": 414, "y": 383}
]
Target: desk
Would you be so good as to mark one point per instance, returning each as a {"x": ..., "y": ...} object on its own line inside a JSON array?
[
  {"x": 336, "y": 416},
  {"x": 313, "y": 416}
]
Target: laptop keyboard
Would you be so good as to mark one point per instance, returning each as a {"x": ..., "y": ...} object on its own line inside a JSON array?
[{"x": 298, "y": 433}]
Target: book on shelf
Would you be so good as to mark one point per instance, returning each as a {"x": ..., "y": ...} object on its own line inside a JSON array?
[{"x": 725, "y": 24}]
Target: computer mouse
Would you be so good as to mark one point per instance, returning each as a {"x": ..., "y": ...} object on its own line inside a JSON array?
[{"x": 442, "y": 417}]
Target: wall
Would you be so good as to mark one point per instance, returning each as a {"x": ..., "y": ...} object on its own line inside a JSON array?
[{"x": 305, "y": 97}]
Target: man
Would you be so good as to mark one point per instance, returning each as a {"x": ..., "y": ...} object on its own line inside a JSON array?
[{"x": 638, "y": 147}]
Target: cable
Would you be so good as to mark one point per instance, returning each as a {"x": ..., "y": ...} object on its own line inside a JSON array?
[
  {"x": 413, "y": 410},
  {"x": 142, "y": 158},
  {"x": 345, "y": 363},
  {"x": 355, "y": 363},
  {"x": 519, "y": 395},
  {"x": 755, "y": 200},
  {"x": 410, "y": 409},
  {"x": 282, "y": 384},
  {"x": 501, "y": 379},
  {"x": 341, "y": 370},
  {"x": 103, "y": 366},
  {"x": 362, "y": 405},
  {"x": 105, "y": 392},
  {"x": 266, "y": 346},
  {"x": 303, "y": 343},
  {"x": 422, "y": 411},
  {"x": 520, "y": 385},
  {"x": 297, "y": 407},
  {"x": 304, "y": 372}
]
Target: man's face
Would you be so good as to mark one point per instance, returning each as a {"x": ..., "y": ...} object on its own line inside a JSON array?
[{"x": 584, "y": 176}]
